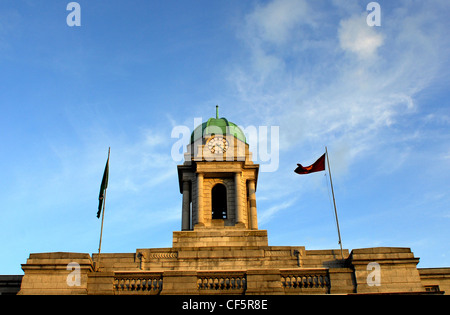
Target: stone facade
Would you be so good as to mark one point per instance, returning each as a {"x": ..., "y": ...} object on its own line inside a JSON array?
[
  {"x": 435, "y": 279},
  {"x": 234, "y": 270},
  {"x": 226, "y": 253}
]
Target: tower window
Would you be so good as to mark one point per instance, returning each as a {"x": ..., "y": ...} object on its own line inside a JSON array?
[{"x": 219, "y": 202}]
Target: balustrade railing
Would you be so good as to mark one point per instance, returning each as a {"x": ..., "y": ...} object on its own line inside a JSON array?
[
  {"x": 138, "y": 283},
  {"x": 227, "y": 282},
  {"x": 305, "y": 280},
  {"x": 295, "y": 281}
]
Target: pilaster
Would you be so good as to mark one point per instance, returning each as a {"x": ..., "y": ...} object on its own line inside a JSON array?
[{"x": 185, "y": 225}]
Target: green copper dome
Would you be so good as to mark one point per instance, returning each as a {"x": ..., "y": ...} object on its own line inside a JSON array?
[{"x": 217, "y": 126}]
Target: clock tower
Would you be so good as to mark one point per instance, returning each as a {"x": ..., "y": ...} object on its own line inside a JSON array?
[{"x": 218, "y": 181}]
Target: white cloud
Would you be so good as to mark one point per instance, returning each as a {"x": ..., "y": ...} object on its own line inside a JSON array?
[
  {"x": 317, "y": 94},
  {"x": 274, "y": 22},
  {"x": 359, "y": 38}
]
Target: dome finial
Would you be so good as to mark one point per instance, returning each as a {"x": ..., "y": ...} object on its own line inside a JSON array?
[{"x": 217, "y": 111}]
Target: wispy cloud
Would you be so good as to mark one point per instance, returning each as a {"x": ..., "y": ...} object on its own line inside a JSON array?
[
  {"x": 332, "y": 78},
  {"x": 266, "y": 215},
  {"x": 274, "y": 22},
  {"x": 355, "y": 37}
]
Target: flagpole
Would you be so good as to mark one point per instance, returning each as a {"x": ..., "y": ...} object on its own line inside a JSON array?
[
  {"x": 334, "y": 202},
  {"x": 103, "y": 217},
  {"x": 101, "y": 233}
]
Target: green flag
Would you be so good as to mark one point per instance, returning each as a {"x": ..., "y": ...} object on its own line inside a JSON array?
[{"x": 103, "y": 187}]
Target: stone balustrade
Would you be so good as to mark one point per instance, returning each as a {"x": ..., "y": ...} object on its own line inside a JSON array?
[
  {"x": 304, "y": 280},
  {"x": 222, "y": 282},
  {"x": 295, "y": 281},
  {"x": 138, "y": 283}
]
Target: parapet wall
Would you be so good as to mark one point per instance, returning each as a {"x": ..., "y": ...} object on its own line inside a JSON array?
[{"x": 233, "y": 270}]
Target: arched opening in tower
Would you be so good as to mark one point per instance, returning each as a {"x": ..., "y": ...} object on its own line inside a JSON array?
[{"x": 219, "y": 202}]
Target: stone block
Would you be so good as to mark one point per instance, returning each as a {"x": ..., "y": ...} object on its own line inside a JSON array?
[
  {"x": 179, "y": 282},
  {"x": 264, "y": 281},
  {"x": 228, "y": 236},
  {"x": 47, "y": 273},
  {"x": 396, "y": 271},
  {"x": 101, "y": 283}
]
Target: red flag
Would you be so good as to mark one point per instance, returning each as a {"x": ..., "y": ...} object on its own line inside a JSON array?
[{"x": 318, "y": 166}]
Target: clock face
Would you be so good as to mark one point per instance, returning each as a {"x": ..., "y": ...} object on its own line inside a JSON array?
[{"x": 218, "y": 145}]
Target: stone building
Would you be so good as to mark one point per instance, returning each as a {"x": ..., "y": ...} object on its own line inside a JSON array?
[{"x": 220, "y": 250}]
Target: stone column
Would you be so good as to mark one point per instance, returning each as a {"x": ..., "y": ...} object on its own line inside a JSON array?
[
  {"x": 200, "y": 200},
  {"x": 252, "y": 199},
  {"x": 238, "y": 198},
  {"x": 185, "y": 221}
]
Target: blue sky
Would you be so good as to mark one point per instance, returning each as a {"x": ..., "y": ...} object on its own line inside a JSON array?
[{"x": 378, "y": 97}]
